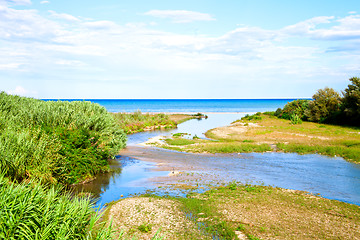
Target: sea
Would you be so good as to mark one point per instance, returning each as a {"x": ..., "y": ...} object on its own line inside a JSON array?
[{"x": 188, "y": 105}]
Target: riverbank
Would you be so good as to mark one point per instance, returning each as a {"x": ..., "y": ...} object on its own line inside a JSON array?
[
  {"x": 141, "y": 122},
  {"x": 268, "y": 133},
  {"x": 238, "y": 211}
]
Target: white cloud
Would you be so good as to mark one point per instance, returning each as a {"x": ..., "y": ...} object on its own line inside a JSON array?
[
  {"x": 130, "y": 56},
  {"x": 307, "y": 26},
  {"x": 9, "y": 66},
  {"x": 21, "y": 91},
  {"x": 101, "y": 25},
  {"x": 44, "y": 2},
  {"x": 20, "y": 25},
  {"x": 17, "y": 2},
  {"x": 63, "y": 16},
  {"x": 346, "y": 28},
  {"x": 180, "y": 16}
]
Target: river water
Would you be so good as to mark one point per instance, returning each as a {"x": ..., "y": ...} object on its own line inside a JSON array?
[{"x": 330, "y": 177}]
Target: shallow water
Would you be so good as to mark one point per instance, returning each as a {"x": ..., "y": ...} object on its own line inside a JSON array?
[
  {"x": 194, "y": 127},
  {"x": 332, "y": 178}
]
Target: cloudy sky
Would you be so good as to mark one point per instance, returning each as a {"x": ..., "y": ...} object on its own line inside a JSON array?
[{"x": 177, "y": 49}]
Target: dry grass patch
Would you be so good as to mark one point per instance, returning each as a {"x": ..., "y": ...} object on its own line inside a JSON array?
[
  {"x": 274, "y": 213},
  {"x": 142, "y": 217}
]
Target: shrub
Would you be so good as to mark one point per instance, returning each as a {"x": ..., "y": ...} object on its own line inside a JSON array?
[
  {"x": 295, "y": 119},
  {"x": 351, "y": 101},
  {"x": 137, "y": 121},
  {"x": 58, "y": 141},
  {"x": 31, "y": 211},
  {"x": 326, "y": 102},
  {"x": 297, "y": 107}
]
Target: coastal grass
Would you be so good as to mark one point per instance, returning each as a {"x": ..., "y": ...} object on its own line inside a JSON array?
[
  {"x": 263, "y": 212},
  {"x": 179, "y": 141},
  {"x": 32, "y": 211},
  {"x": 229, "y": 147},
  {"x": 139, "y": 122},
  {"x": 56, "y": 141},
  {"x": 308, "y": 137}
]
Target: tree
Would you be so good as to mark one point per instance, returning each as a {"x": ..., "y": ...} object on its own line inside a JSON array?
[
  {"x": 325, "y": 104},
  {"x": 296, "y": 107},
  {"x": 351, "y": 101}
]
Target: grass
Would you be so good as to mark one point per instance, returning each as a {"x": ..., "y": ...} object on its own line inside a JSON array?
[
  {"x": 56, "y": 142},
  {"x": 229, "y": 147},
  {"x": 302, "y": 138},
  {"x": 32, "y": 211},
  {"x": 139, "y": 122},
  {"x": 262, "y": 212},
  {"x": 179, "y": 141}
]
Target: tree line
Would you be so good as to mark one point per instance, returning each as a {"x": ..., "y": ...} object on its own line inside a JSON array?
[{"x": 326, "y": 106}]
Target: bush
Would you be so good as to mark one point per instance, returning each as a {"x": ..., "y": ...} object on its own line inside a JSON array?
[
  {"x": 326, "y": 103},
  {"x": 58, "y": 141},
  {"x": 30, "y": 211},
  {"x": 351, "y": 101},
  {"x": 295, "y": 119},
  {"x": 297, "y": 107},
  {"x": 257, "y": 117},
  {"x": 137, "y": 121}
]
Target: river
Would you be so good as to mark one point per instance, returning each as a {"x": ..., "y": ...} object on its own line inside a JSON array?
[{"x": 138, "y": 169}]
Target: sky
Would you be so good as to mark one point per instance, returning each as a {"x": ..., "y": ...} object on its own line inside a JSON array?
[{"x": 165, "y": 49}]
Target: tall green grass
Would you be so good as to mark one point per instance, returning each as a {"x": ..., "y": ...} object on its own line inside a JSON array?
[
  {"x": 31, "y": 211},
  {"x": 348, "y": 152},
  {"x": 56, "y": 141},
  {"x": 137, "y": 121}
]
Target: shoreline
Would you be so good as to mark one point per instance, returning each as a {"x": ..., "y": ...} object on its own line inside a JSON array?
[{"x": 187, "y": 113}]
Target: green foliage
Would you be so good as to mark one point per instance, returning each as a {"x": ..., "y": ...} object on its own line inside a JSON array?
[
  {"x": 30, "y": 211},
  {"x": 232, "y": 186},
  {"x": 57, "y": 141},
  {"x": 137, "y": 121},
  {"x": 233, "y": 147},
  {"x": 326, "y": 102},
  {"x": 297, "y": 107},
  {"x": 348, "y": 151},
  {"x": 256, "y": 117},
  {"x": 295, "y": 119},
  {"x": 196, "y": 137},
  {"x": 179, "y": 141},
  {"x": 351, "y": 101},
  {"x": 179, "y": 134},
  {"x": 145, "y": 228}
]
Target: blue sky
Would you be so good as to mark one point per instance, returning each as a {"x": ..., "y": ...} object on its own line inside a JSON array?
[{"x": 177, "y": 49}]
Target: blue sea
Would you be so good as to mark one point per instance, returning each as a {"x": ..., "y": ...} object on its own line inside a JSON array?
[{"x": 188, "y": 105}]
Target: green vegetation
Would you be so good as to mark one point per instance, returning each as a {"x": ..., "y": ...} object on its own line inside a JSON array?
[
  {"x": 256, "y": 116},
  {"x": 351, "y": 101},
  {"x": 326, "y": 103},
  {"x": 294, "y": 108},
  {"x": 139, "y": 122},
  {"x": 327, "y": 106},
  {"x": 145, "y": 228},
  {"x": 230, "y": 147},
  {"x": 31, "y": 211},
  {"x": 179, "y": 141},
  {"x": 65, "y": 142},
  {"x": 284, "y": 135},
  {"x": 264, "y": 212},
  {"x": 44, "y": 146}
]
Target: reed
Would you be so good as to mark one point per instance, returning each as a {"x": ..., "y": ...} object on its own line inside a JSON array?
[
  {"x": 32, "y": 211},
  {"x": 56, "y": 141},
  {"x": 138, "y": 122}
]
